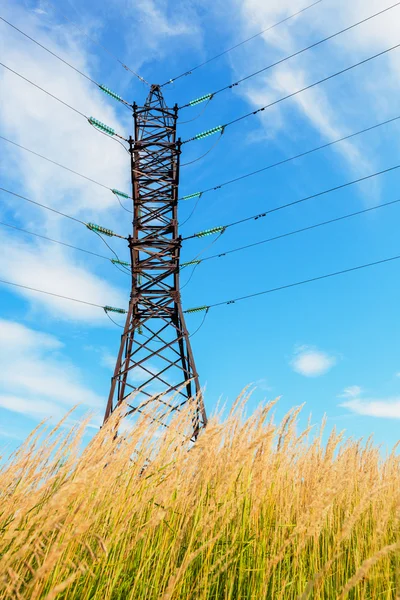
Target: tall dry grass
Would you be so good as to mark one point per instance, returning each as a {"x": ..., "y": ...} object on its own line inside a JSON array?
[{"x": 252, "y": 510}]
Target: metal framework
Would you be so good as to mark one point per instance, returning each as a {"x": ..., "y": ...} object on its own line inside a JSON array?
[{"x": 155, "y": 359}]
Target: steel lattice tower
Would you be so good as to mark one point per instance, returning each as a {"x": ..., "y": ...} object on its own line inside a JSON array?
[{"x": 155, "y": 358}]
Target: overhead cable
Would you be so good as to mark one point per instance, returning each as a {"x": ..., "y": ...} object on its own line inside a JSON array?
[
  {"x": 291, "y": 285},
  {"x": 43, "y": 237},
  {"x": 197, "y": 195},
  {"x": 100, "y": 86},
  {"x": 94, "y": 122},
  {"x": 290, "y": 233},
  {"x": 31, "y": 289},
  {"x": 117, "y": 193},
  {"x": 99, "y": 44},
  {"x": 210, "y": 96},
  {"x": 220, "y": 128},
  {"x": 220, "y": 228},
  {"x": 90, "y": 226},
  {"x": 206, "y": 62}
]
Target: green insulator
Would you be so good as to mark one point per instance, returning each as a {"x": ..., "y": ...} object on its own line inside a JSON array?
[
  {"x": 189, "y": 196},
  {"x": 191, "y": 262},
  {"x": 120, "y": 262},
  {"x": 201, "y": 99},
  {"x": 118, "y": 193},
  {"x": 205, "y": 134},
  {"x": 210, "y": 231},
  {"x": 197, "y": 309},
  {"x": 101, "y": 126},
  {"x": 109, "y": 92},
  {"x": 99, "y": 229},
  {"x": 115, "y": 310}
]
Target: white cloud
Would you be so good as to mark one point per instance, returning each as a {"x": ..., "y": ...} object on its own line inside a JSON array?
[
  {"x": 36, "y": 379},
  {"x": 51, "y": 128},
  {"x": 386, "y": 408},
  {"x": 311, "y": 362},
  {"x": 31, "y": 118},
  {"x": 333, "y": 108},
  {"x": 352, "y": 391},
  {"x": 156, "y": 29},
  {"x": 55, "y": 272}
]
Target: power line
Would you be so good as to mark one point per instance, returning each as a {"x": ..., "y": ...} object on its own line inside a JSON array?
[
  {"x": 43, "y": 237},
  {"x": 55, "y": 163},
  {"x": 89, "y": 119},
  {"x": 295, "y": 284},
  {"x": 308, "y": 87},
  {"x": 67, "y": 169},
  {"x": 25, "y": 287},
  {"x": 42, "y": 206},
  {"x": 209, "y": 97},
  {"x": 61, "y": 59},
  {"x": 72, "y": 171},
  {"x": 62, "y": 214},
  {"x": 99, "y": 44},
  {"x": 296, "y": 231},
  {"x": 291, "y": 158},
  {"x": 294, "y": 202},
  {"x": 190, "y": 71},
  {"x": 45, "y": 91}
]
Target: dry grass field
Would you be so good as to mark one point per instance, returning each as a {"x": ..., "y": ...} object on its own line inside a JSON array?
[{"x": 253, "y": 510}]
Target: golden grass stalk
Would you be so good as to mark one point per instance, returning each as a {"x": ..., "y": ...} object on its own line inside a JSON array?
[{"x": 252, "y": 510}]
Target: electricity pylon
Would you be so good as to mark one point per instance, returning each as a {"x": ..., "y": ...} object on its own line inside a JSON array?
[{"x": 155, "y": 359}]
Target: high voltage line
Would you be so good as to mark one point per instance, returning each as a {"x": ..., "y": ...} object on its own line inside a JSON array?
[
  {"x": 289, "y": 204},
  {"x": 287, "y": 160},
  {"x": 155, "y": 241},
  {"x": 206, "y": 62},
  {"x": 221, "y": 185},
  {"x": 99, "y": 44},
  {"x": 290, "y": 233},
  {"x": 106, "y": 187},
  {"x": 25, "y": 287},
  {"x": 90, "y": 226},
  {"x": 92, "y": 121},
  {"x": 225, "y": 302},
  {"x": 211, "y": 95},
  {"x": 221, "y": 128},
  {"x": 43, "y": 237},
  {"x": 100, "y": 86},
  {"x": 207, "y": 307}
]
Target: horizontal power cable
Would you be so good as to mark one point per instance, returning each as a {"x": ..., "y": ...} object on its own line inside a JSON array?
[
  {"x": 90, "y": 226},
  {"x": 106, "y": 187},
  {"x": 48, "y": 239},
  {"x": 220, "y": 128},
  {"x": 293, "y": 232},
  {"x": 210, "y": 96},
  {"x": 98, "y": 44},
  {"x": 31, "y": 289},
  {"x": 100, "y": 86},
  {"x": 291, "y": 285},
  {"x": 206, "y": 62},
  {"x": 289, "y": 159},
  {"x": 222, "y": 228},
  {"x": 91, "y": 120}
]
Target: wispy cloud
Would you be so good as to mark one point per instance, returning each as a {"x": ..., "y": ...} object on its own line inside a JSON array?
[
  {"x": 53, "y": 130},
  {"x": 37, "y": 380},
  {"x": 352, "y": 391},
  {"x": 312, "y": 362},
  {"x": 384, "y": 408},
  {"x": 332, "y": 109},
  {"x": 55, "y": 272}
]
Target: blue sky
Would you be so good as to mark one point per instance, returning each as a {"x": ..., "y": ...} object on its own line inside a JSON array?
[{"x": 334, "y": 344}]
